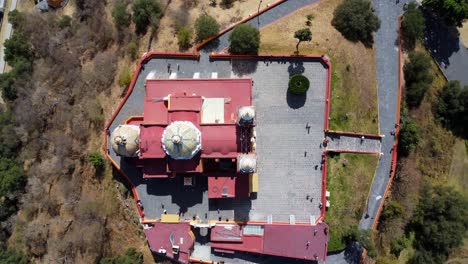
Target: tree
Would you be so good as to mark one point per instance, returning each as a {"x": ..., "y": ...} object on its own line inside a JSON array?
[
  {"x": 245, "y": 39},
  {"x": 12, "y": 256},
  {"x": 17, "y": 46},
  {"x": 96, "y": 159},
  {"x": 452, "y": 105},
  {"x": 298, "y": 84},
  {"x": 64, "y": 22},
  {"x": 356, "y": 21},
  {"x": 11, "y": 176},
  {"x": 146, "y": 12},
  {"x": 9, "y": 141},
  {"x": 412, "y": 24},
  {"x": 302, "y": 35},
  {"x": 132, "y": 256},
  {"x": 440, "y": 221},
  {"x": 17, "y": 19},
  {"x": 392, "y": 209},
  {"x": 184, "y": 38},
  {"x": 120, "y": 15},
  {"x": 227, "y": 3},
  {"x": 453, "y": 11},
  {"x": 353, "y": 234},
  {"x": 417, "y": 77},
  {"x": 408, "y": 137},
  {"x": 205, "y": 27}
]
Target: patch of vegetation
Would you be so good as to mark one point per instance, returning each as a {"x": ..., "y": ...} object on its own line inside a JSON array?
[
  {"x": 348, "y": 181},
  {"x": 309, "y": 17},
  {"x": 244, "y": 39},
  {"x": 452, "y": 106},
  {"x": 16, "y": 18},
  {"x": 302, "y": 35},
  {"x": 96, "y": 159},
  {"x": 184, "y": 38},
  {"x": 454, "y": 12},
  {"x": 131, "y": 256},
  {"x": 146, "y": 13},
  {"x": 356, "y": 21},
  {"x": 11, "y": 256},
  {"x": 125, "y": 77},
  {"x": 362, "y": 237},
  {"x": 298, "y": 84},
  {"x": 412, "y": 25},
  {"x": 121, "y": 17},
  {"x": 205, "y": 27},
  {"x": 418, "y": 77},
  {"x": 440, "y": 223},
  {"x": 409, "y": 133},
  {"x": 227, "y": 3},
  {"x": 65, "y": 22}
]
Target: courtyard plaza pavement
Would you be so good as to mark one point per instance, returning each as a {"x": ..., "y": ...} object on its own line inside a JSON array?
[{"x": 289, "y": 133}]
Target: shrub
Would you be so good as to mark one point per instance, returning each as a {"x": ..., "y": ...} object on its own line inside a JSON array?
[
  {"x": 12, "y": 256},
  {"x": 15, "y": 47},
  {"x": 356, "y": 21},
  {"x": 132, "y": 256},
  {"x": 205, "y": 27},
  {"x": 245, "y": 39},
  {"x": 96, "y": 159},
  {"x": 392, "y": 209},
  {"x": 353, "y": 234},
  {"x": 11, "y": 176},
  {"x": 120, "y": 15},
  {"x": 298, "y": 84},
  {"x": 132, "y": 49},
  {"x": 227, "y": 3},
  {"x": 309, "y": 17},
  {"x": 408, "y": 137},
  {"x": 65, "y": 21},
  {"x": 125, "y": 77},
  {"x": 417, "y": 77},
  {"x": 184, "y": 38},
  {"x": 146, "y": 12},
  {"x": 302, "y": 35},
  {"x": 412, "y": 25},
  {"x": 9, "y": 141},
  {"x": 397, "y": 246},
  {"x": 17, "y": 19},
  {"x": 440, "y": 222},
  {"x": 452, "y": 105}
]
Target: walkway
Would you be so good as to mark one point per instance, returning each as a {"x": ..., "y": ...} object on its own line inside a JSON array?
[
  {"x": 386, "y": 45},
  {"x": 351, "y": 143}
]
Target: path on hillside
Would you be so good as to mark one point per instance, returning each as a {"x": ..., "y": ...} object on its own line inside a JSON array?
[
  {"x": 353, "y": 143},
  {"x": 386, "y": 45}
]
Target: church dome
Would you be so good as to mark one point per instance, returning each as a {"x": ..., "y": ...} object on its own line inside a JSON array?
[
  {"x": 181, "y": 140},
  {"x": 247, "y": 163},
  {"x": 125, "y": 140},
  {"x": 246, "y": 115}
]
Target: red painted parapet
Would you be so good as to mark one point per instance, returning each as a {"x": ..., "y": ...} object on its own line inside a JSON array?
[
  {"x": 326, "y": 122},
  {"x": 324, "y": 187}
]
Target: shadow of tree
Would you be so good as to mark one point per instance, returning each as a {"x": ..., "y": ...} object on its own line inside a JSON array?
[
  {"x": 244, "y": 67},
  {"x": 442, "y": 40},
  {"x": 210, "y": 46},
  {"x": 296, "y": 67},
  {"x": 295, "y": 101}
]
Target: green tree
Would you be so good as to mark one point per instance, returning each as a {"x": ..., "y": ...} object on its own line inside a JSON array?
[
  {"x": 453, "y": 11},
  {"x": 392, "y": 209},
  {"x": 440, "y": 221},
  {"x": 11, "y": 256},
  {"x": 9, "y": 141},
  {"x": 184, "y": 38},
  {"x": 298, "y": 84},
  {"x": 412, "y": 25},
  {"x": 145, "y": 13},
  {"x": 417, "y": 77},
  {"x": 205, "y": 27},
  {"x": 17, "y": 19},
  {"x": 452, "y": 105},
  {"x": 15, "y": 47},
  {"x": 245, "y": 39},
  {"x": 64, "y": 21},
  {"x": 409, "y": 137},
  {"x": 353, "y": 234},
  {"x": 356, "y": 21},
  {"x": 96, "y": 159},
  {"x": 11, "y": 176},
  {"x": 302, "y": 35},
  {"x": 131, "y": 256},
  {"x": 121, "y": 17}
]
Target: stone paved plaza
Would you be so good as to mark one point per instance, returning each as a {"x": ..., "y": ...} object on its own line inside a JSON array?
[{"x": 289, "y": 132}]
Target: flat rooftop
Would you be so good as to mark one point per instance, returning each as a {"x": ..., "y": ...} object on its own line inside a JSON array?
[{"x": 289, "y": 133}]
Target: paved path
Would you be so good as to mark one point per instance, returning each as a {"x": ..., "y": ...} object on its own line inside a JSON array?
[
  {"x": 346, "y": 143},
  {"x": 266, "y": 18},
  {"x": 386, "y": 45},
  {"x": 446, "y": 48}
]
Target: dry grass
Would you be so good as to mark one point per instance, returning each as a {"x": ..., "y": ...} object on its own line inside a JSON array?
[
  {"x": 349, "y": 188},
  {"x": 464, "y": 34},
  {"x": 354, "y": 87}
]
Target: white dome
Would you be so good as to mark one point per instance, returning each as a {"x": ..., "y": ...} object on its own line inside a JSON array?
[
  {"x": 125, "y": 140},
  {"x": 247, "y": 163},
  {"x": 246, "y": 114},
  {"x": 181, "y": 140}
]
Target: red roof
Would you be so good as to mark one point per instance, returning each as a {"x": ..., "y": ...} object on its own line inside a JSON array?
[
  {"x": 150, "y": 142},
  {"x": 219, "y": 141},
  {"x": 159, "y": 238},
  {"x": 226, "y": 233},
  {"x": 185, "y": 103},
  {"x": 229, "y": 186}
]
